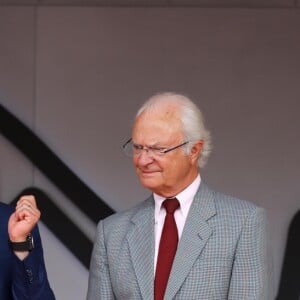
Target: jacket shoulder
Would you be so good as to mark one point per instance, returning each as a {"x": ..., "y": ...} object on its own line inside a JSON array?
[
  {"x": 231, "y": 205},
  {"x": 6, "y": 209}
]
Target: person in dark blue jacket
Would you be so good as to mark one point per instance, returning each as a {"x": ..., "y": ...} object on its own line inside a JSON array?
[{"x": 23, "y": 273}]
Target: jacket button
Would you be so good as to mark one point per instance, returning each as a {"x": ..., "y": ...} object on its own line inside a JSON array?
[{"x": 29, "y": 275}]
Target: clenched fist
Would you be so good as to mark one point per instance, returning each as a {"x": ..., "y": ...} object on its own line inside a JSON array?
[{"x": 22, "y": 221}]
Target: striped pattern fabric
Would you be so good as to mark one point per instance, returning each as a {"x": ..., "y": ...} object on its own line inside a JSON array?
[{"x": 222, "y": 254}]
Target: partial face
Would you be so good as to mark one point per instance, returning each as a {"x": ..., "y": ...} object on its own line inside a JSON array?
[{"x": 172, "y": 172}]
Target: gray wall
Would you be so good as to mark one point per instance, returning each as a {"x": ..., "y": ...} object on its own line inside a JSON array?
[{"x": 76, "y": 76}]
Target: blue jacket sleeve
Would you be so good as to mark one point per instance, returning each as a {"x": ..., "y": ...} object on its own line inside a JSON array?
[{"x": 29, "y": 279}]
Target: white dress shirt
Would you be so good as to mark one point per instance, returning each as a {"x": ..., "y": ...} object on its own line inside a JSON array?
[{"x": 185, "y": 199}]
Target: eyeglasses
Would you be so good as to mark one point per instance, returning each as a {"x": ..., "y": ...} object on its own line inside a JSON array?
[{"x": 132, "y": 149}]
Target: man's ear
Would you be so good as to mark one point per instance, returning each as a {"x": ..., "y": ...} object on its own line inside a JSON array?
[{"x": 196, "y": 150}]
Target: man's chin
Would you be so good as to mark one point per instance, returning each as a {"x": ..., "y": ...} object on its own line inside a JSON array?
[{"x": 148, "y": 182}]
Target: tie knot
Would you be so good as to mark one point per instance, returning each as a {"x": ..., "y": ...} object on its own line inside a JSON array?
[{"x": 171, "y": 204}]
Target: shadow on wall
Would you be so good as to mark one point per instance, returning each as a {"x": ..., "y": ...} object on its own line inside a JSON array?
[
  {"x": 52, "y": 166},
  {"x": 63, "y": 178},
  {"x": 289, "y": 288},
  {"x": 61, "y": 225}
]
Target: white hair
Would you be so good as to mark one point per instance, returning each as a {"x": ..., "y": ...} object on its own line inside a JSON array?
[{"x": 193, "y": 128}]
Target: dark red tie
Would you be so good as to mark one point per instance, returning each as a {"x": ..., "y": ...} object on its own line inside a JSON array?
[{"x": 167, "y": 249}]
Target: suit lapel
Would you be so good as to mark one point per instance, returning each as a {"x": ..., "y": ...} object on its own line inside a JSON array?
[
  {"x": 195, "y": 235},
  {"x": 141, "y": 247}
]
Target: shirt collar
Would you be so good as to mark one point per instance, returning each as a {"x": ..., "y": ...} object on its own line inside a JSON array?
[{"x": 185, "y": 197}]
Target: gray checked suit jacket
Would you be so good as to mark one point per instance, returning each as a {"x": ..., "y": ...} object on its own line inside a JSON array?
[{"x": 222, "y": 253}]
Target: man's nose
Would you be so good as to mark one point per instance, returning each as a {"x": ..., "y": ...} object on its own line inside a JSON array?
[{"x": 145, "y": 157}]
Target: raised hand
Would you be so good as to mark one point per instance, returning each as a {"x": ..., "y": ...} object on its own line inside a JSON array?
[{"x": 22, "y": 221}]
